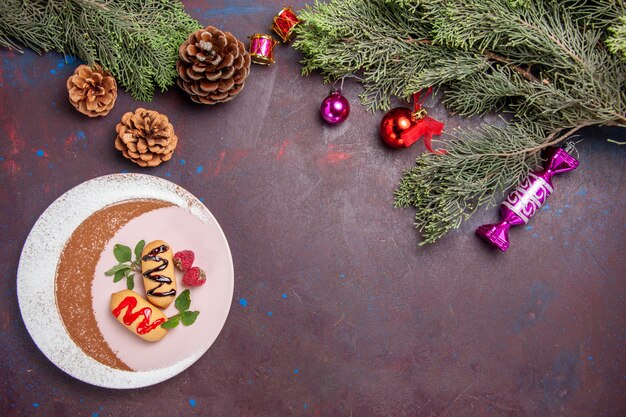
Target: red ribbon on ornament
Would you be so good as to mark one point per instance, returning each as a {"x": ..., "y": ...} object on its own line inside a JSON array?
[{"x": 424, "y": 125}]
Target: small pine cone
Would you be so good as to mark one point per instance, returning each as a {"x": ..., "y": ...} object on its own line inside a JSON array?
[
  {"x": 146, "y": 137},
  {"x": 92, "y": 91},
  {"x": 212, "y": 66}
]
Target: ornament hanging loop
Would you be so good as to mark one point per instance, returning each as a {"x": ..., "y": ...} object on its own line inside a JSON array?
[
  {"x": 419, "y": 114},
  {"x": 419, "y": 99},
  {"x": 334, "y": 88}
]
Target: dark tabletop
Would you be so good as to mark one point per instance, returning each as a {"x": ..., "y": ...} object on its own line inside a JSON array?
[{"x": 335, "y": 311}]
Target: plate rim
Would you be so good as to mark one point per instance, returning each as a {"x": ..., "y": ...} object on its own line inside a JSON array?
[{"x": 103, "y": 375}]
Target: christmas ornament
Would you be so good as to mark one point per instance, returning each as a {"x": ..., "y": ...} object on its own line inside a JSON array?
[
  {"x": 146, "y": 137},
  {"x": 335, "y": 108},
  {"x": 212, "y": 66},
  {"x": 262, "y": 49},
  {"x": 481, "y": 68},
  {"x": 402, "y": 127},
  {"x": 92, "y": 91},
  {"x": 527, "y": 198},
  {"x": 284, "y": 23}
]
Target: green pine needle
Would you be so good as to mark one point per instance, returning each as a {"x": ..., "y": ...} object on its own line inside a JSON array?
[
  {"x": 617, "y": 41},
  {"x": 135, "y": 40},
  {"x": 555, "y": 66}
]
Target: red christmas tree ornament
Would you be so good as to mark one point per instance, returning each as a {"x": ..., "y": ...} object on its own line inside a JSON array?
[
  {"x": 284, "y": 23},
  {"x": 402, "y": 127}
]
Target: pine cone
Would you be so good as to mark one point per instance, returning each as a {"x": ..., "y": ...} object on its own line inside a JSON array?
[
  {"x": 213, "y": 66},
  {"x": 92, "y": 91},
  {"x": 146, "y": 137}
]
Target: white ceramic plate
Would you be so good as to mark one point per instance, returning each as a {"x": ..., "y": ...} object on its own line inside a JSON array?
[{"x": 187, "y": 224}]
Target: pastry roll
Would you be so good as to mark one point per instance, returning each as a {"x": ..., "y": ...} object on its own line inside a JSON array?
[
  {"x": 157, "y": 267},
  {"x": 138, "y": 315}
]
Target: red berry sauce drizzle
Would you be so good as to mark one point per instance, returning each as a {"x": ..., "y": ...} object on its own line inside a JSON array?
[{"x": 129, "y": 317}]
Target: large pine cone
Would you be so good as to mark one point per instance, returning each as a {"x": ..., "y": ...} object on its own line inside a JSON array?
[
  {"x": 146, "y": 137},
  {"x": 212, "y": 66},
  {"x": 92, "y": 91}
]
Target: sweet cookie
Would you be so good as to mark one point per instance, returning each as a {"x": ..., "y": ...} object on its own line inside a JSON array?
[
  {"x": 138, "y": 316},
  {"x": 157, "y": 268}
]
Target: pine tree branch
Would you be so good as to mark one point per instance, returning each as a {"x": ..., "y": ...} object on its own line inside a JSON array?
[
  {"x": 492, "y": 56},
  {"x": 617, "y": 41},
  {"x": 544, "y": 62},
  {"x": 136, "y": 40},
  {"x": 524, "y": 73},
  {"x": 447, "y": 189},
  {"x": 567, "y": 50},
  {"x": 620, "y": 118},
  {"x": 552, "y": 139}
]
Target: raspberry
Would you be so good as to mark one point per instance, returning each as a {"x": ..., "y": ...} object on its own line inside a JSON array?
[
  {"x": 184, "y": 259},
  {"x": 194, "y": 277}
]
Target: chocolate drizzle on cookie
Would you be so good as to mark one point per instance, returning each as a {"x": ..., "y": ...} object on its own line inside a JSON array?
[{"x": 152, "y": 274}]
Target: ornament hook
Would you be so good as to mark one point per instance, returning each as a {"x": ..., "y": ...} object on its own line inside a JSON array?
[
  {"x": 419, "y": 114},
  {"x": 570, "y": 147}
]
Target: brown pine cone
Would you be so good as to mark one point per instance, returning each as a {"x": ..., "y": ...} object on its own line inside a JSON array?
[
  {"x": 212, "y": 66},
  {"x": 92, "y": 91},
  {"x": 146, "y": 137}
]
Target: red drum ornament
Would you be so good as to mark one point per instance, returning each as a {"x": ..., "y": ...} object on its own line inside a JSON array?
[
  {"x": 402, "y": 127},
  {"x": 262, "y": 49},
  {"x": 284, "y": 22}
]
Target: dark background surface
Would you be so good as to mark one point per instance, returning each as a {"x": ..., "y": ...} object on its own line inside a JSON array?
[{"x": 336, "y": 313}]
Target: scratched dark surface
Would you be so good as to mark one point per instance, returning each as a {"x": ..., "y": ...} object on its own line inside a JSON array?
[{"x": 336, "y": 313}]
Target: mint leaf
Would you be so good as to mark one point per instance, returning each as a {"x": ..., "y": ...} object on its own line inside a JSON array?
[
  {"x": 183, "y": 301},
  {"x": 171, "y": 322},
  {"x": 138, "y": 249},
  {"x": 130, "y": 279},
  {"x": 122, "y": 253},
  {"x": 118, "y": 267},
  {"x": 189, "y": 317},
  {"x": 119, "y": 275}
]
